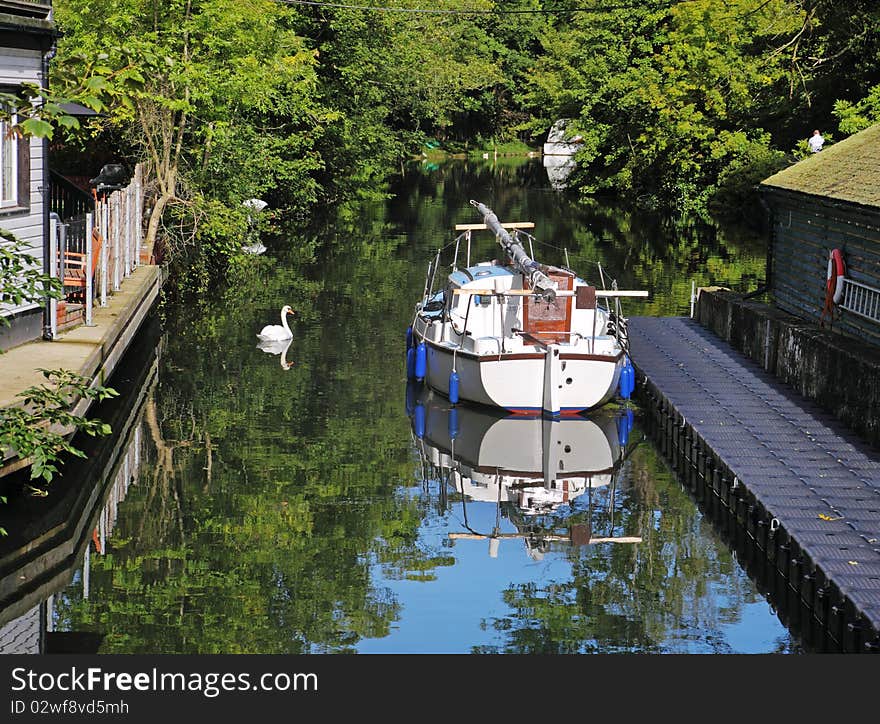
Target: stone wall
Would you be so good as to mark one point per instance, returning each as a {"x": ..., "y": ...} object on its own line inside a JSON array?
[{"x": 838, "y": 372}]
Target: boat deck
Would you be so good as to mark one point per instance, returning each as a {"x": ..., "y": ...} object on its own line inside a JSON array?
[{"x": 810, "y": 488}]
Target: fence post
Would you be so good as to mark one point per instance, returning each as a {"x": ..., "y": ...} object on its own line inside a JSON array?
[
  {"x": 101, "y": 210},
  {"x": 114, "y": 209},
  {"x": 62, "y": 249},
  {"x": 126, "y": 229},
  {"x": 53, "y": 272},
  {"x": 139, "y": 211},
  {"x": 90, "y": 282}
]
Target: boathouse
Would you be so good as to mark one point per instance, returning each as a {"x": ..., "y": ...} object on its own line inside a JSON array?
[
  {"x": 828, "y": 201},
  {"x": 27, "y": 35}
]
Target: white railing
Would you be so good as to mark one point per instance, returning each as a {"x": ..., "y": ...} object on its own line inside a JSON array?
[
  {"x": 861, "y": 299},
  {"x": 114, "y": 232},
  {"x": 119, "y": 220}
]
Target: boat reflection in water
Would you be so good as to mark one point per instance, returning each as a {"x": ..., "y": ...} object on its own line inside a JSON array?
[
  {"x": 531, "y": 469},
  {"x": 559, "y": 168}
]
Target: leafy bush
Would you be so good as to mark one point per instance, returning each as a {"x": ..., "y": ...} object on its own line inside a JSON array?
[
  {"x": 38, "y": 428},
  {"x": 751, "y": 162}
]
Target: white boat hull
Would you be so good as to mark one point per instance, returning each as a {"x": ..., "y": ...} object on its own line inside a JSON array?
[{"x": 517, "y": 382}]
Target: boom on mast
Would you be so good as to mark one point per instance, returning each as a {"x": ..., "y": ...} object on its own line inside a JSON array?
[{"x": 541, "y": 283}]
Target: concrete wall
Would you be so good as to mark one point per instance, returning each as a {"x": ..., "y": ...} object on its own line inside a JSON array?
[{"x": 839, "y": 373}]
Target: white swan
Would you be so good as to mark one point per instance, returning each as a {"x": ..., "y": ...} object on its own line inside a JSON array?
[
  {"x": 278, "y": 332},
  {"x": 279, "y": 347}
]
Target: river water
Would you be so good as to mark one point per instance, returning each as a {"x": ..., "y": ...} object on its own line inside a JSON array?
[{"x": 292, "y": 501}]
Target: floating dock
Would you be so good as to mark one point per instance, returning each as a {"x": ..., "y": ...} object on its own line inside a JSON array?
[{"x": 801, "y": 490}]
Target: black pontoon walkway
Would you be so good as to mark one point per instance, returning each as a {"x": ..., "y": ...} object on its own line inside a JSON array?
[{"x": 807, "y": 475}]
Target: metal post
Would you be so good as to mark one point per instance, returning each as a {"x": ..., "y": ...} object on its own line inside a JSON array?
[
  {"x": 693, "y": 297},
  {"x": 427, "y": 279},
  {"x": 137, "y": 452},
  {"x": 53, "y": 272},
  {"x": 85, "y": 570},
  {"x": 90, "y": 282},
  {"x": 434, "y": 272},
  {"x": 114, "y": 203},
  {"x": 62, "y": 249},
  {"x": 105, "y": 252},
  {"x": 50, "y": 613},
  {"x": 126, "y": 227},
  {"x": 102, "y": 529},
  {"x": 138, "y": 215}
]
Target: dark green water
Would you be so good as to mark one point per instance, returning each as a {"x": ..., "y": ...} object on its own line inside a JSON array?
[{"x": 268, "y": 509}]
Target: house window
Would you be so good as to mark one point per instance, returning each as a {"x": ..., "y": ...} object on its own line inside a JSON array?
[
  {"x": 8, "y": 165},
  {"x": 15, "y": 166}
]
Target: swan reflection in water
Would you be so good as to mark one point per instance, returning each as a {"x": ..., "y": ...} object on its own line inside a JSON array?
[
  {"x": 279, "y": 347},
  {"x": 530, "y": 469}
]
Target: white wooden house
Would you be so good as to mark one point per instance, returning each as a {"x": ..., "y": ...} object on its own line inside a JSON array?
[{"x": 27, "y": 36}]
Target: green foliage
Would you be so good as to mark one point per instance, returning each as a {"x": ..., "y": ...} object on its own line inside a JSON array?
[
  {"x": 21, "y": 275},
  {"x": 218, "y": 97},
  {"x": 35, "y": 112},
  {"x": 214, "y": 235},
  {"x": 39, "y": 426},
  {"x": 854, "y": 117},
  {"x": 751, "y": 161},
  {"x": 677, "y": 102},
  {"x": 666, "y": 98}
]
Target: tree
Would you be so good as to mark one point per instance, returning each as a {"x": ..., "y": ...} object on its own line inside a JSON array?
[
  {"x": 197, "y": 82},
  {"x": 666, "y": 96}
]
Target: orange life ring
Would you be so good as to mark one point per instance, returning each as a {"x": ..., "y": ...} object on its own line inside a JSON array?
[{"x": 836, "y": 274}]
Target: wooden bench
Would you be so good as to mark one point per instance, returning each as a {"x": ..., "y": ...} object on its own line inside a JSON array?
[{"x": 74, "y": 266}]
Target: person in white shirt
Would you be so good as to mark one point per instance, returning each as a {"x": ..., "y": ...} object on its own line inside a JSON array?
[{"x": 816, "y": 142}]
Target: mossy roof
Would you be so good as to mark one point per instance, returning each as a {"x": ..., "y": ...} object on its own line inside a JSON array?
[{"x": 847, "y": 171}]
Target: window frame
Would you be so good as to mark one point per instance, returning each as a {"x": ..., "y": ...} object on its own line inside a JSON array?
[{"x": 20, "y": 202}]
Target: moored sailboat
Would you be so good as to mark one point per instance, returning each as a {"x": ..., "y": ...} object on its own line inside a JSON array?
[{"x": 527, "y": 337}]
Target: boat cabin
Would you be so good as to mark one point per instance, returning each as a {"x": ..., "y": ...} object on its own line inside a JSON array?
[{"x": 494, "y": 309}]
